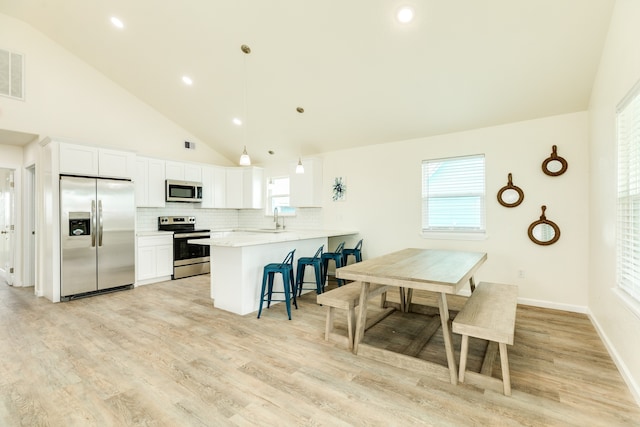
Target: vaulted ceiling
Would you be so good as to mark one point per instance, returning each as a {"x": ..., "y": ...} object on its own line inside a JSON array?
[{"x": 361, "y": 76}]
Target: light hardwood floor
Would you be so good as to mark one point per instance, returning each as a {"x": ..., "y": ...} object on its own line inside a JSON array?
[{"x": 162, "y": 355}]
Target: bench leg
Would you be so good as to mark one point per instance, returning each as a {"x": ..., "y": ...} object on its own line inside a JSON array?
[
  {"x": 362, "y": 315},
  {"x": 504, "y": 363},
  {"x": 329, "y": 324},
  {"x": 383, "y": 300},
  {"x": 351, "y": 315},
  {"x": 464, "y": 349}
]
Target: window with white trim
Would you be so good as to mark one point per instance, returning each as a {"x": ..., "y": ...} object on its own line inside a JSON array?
[
  {"x": 278, "y": 196},
  {"x": 628, "y": 203},
  {"x": 453, "y": 195}
]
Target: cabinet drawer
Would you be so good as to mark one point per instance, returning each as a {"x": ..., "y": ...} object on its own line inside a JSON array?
[{"x": 147, "y": 241}]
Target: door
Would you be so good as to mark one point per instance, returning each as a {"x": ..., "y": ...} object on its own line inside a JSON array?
[
  {"x": 115, "y": 233},
  {"x": 7, "y": 231},
  {"x": 78, "y": 237}
]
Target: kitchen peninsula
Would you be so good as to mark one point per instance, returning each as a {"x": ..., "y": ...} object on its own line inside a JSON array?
[{"x": 238, "y": 258}]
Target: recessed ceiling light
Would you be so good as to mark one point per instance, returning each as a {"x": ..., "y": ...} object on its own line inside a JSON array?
[
  {"x": 405, "y": 14},
  {"x": 117, "y": 22},
  {"x": 237, "y": 121},
  {"x": 187, "y": 80}
]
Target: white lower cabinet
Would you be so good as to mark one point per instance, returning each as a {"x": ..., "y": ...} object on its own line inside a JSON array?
[{"x": 154, "y": 259}]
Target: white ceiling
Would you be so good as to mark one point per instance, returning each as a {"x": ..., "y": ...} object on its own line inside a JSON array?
[{"x": 361, "y": 77}]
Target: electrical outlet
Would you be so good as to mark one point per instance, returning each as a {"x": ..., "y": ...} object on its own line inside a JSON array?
[{"x": 521, "y": 274}]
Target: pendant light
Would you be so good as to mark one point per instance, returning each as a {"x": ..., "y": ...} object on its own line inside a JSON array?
[
  {"x": 245, "y": 160},
  {"x": 299, "y": 167}
]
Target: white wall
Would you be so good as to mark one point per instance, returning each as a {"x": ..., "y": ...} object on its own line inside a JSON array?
[
  {"x": 384, "y": 202},
  {"x": 619, "y": 71},
  {"x": 66, "y": 98}
]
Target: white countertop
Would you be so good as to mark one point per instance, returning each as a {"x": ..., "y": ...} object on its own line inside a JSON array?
[{"x": 251, "y": 238}]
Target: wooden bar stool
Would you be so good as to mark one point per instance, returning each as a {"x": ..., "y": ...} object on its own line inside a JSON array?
[
  {"x": 316, "y": 263},
  {"x": 286, "y": 269},
  {"x": 356, "y": 252},
  {"x": 337, "y": 257}
]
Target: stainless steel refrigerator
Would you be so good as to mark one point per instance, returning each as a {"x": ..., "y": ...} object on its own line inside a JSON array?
[{"x": 97, "y": 235}]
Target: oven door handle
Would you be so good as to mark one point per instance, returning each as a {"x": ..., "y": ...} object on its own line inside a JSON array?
[{"x": 191, "y": 235}]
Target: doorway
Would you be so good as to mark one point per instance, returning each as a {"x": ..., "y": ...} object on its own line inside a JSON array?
[{"x": 7, "y": 228}]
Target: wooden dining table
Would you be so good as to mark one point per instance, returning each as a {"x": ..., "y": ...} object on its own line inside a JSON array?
[{"x": 443, "y": 272}]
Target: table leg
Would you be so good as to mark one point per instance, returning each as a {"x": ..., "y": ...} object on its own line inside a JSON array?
[
  {"x": 472, "y": 284},
  {"x": 362, "y": 316},
  {"x": 448, "y": 337},
  {"x": 407, "y": 303}
]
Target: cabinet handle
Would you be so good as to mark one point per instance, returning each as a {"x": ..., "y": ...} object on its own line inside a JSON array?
[{"x": 93, "y": 223}]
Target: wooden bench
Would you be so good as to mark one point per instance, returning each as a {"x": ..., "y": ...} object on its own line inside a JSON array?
[
  {"x": 348, "y": 297},
  {"x": 489, "y": 314}
]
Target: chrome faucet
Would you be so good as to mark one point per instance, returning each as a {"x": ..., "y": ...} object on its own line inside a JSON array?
[{"x": 275, "y": 218}]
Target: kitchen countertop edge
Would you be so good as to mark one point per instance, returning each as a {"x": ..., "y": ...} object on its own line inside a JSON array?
[
  {"x": 154, "y": 233},
  {"x": 264, "y": 238}
]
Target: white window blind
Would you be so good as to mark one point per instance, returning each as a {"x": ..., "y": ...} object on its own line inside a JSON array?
[
  {"x": 453, "y": 195},
  {"x": 628, "y": 209}
]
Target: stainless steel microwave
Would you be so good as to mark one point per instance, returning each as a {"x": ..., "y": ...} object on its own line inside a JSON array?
[{"x": 183, "y": 191}]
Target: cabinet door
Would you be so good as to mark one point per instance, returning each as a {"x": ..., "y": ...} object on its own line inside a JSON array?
[
  {"x": 208, "y": 187},
  {"x": 252, "y": 188},
  {"x": 156, "y": 183},
  {"x": 192, "y": 173},
  {"x": 116, "y": 164},
  {"x": 234, "y": 188},
  {"x": 174, "y": 170},
  {"x": 183, "y": 171},
  {"x": 164, "y": 260},
  {"x": 141, "y": 182},
  {"x": 149, "y": 183},
  {"x": 219, "y": 187},
  {"x": 146, "y": 268},
  {"x": 78, "y": 159},
  {"x": 155, "y": 257}
]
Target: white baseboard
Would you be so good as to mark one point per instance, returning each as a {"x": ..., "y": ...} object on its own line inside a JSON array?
[
  {"x": 634, "y": 387},
  {"x": 553, "y": 305}
]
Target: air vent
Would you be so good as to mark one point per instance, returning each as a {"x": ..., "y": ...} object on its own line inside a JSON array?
[
  {"x": 190, "y": 145},
  {"x": 11, "y": 74}
]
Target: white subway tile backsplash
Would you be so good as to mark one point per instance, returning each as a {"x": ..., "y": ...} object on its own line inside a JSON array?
[{"x": 305, "y": 218}]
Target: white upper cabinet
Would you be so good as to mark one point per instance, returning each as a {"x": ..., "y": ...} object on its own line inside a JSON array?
[
  {"x": 306, "y": 188},
  {"x": 252, "y": 188},
  {"x": 233, "y": 188},
  {"x": 183, "y": 171},
  {"x": 244, "y": 187},
  {"x": 93, "y": 161},
  {"x": 149, "y": 182},
  {"x": 116, "y": 164},
  {"x": 214, "y": 179}
]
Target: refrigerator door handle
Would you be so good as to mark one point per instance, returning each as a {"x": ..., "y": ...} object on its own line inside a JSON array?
[
  {"x": 93, "y": 223},
  {"x": 100, "y": 222}
]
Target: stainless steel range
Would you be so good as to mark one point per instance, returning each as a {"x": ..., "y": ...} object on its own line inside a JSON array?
[{"x": 188, "y": 259}]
